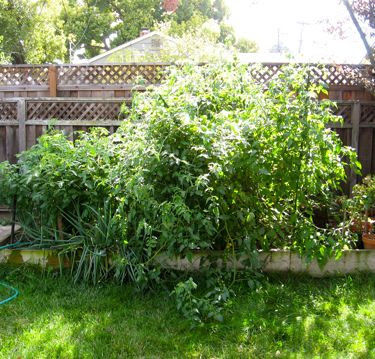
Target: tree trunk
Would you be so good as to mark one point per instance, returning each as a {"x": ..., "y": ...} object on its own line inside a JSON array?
[{"x": 361, "y": 33}]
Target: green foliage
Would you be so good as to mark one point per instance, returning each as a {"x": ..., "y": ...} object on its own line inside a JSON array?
[
  {"x": 66, "y": 175},
  {"x": 3, "y": 58},
  {"x": 200, "y": 309},
  {"x": 31, "y": 31},
  {"x": 207, "y": 8},
  {"x": 210, "y": 160},
  {"x": 43, "y": 31},
  {"x": 123, "y": 19},
  {"x": 95, "y": 241},
  {"x": 87, "y": 24},
  {"x": 245, "y": 45},
  {"x": 362, "y": 201},
  {"x": 8, "y": 184},
  {"x": 237, "y": 161}
]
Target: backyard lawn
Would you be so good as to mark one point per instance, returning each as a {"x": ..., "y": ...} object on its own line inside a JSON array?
[{"x": 285, "y": 317}]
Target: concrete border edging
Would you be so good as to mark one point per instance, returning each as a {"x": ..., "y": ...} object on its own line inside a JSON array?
[
  {"x": 351, "y": 261},
  {"x": 283, "y": 261},
  {"x": 41, "y": 257},
  {"x": 275, "y": 261}
]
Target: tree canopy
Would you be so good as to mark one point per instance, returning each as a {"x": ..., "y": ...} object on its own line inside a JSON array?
[
  {"x": 31, "y": 31},
  {"x": 36, "y": 31}
]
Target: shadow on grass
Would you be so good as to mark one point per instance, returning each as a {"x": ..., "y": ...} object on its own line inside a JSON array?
[{"x": 286, "y": 316}]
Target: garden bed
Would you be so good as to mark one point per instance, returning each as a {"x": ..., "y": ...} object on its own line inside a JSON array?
[{"x": 275, "y": 261}]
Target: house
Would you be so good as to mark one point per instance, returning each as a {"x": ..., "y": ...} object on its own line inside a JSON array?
[{"x": 146, "y": 47}]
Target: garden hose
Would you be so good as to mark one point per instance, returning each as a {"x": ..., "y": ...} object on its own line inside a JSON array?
[
  {"x": 14, "y": 295},
  {"x": 15, "y": 291}
]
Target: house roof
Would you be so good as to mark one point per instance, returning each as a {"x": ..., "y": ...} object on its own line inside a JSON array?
[{"x": 130, "y": 43}]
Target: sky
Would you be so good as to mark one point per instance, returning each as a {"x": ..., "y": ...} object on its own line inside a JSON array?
[{"x": 263, "y": 20}]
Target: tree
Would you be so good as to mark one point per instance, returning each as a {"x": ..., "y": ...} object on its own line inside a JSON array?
[
  {"x": 365, "y": 9},
  {"x": 3, "y": 58},
  {"x": 87, "y": 25},
  {"x": 36, "y": 31},
  {"x": 362, "y": 15},
  {"x": 31, "y": 31},
  {"x": 246, "y": 45}
]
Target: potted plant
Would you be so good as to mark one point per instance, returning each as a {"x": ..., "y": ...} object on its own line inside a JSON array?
[
  {"x": 363, "y": 205},
  {"x": 368, "y": 239}
]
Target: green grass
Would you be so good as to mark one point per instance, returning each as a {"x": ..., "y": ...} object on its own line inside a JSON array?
[{"x": 294, "y": 317}]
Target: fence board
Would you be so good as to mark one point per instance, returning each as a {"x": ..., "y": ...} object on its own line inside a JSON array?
[
  {"x": 3, "y": 152},
  {"x": 365, "y": 149}
]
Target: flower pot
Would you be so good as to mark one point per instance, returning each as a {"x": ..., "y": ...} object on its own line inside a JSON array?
[{"x": 368, "y": 240}]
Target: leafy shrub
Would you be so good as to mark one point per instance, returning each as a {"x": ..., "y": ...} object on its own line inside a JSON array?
[
  {"x": 210, "y": 160},
  {"x": 361, "y": 205},
  {"x": 232, "y": 165},
  {"x": 200, "y": 309},
  {"x": 364, "y": 195}
]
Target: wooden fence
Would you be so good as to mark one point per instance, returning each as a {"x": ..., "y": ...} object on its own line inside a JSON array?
[
  {"x": 99, "y": 81},
  {"x": 23, "y": 120},
  {"x": 118, "y": 80},
  {"x": 82, "y": 96}
]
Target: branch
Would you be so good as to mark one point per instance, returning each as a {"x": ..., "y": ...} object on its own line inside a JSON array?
[{"x": 361, "y": 33}]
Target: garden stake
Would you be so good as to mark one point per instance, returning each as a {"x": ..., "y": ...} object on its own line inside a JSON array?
[{"x": 14, "y": 208}]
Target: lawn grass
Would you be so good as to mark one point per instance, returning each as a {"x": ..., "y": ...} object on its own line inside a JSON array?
[{"x": 287, "y": 316}]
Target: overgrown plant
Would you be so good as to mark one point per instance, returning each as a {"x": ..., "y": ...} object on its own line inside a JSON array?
[
  {"x": 209, "y": 160},
  {"x": 235, "y": 166}
]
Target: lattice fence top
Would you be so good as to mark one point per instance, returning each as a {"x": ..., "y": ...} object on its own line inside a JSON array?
[
  {"x": 142, "y": 74},
  {"x": 8, "y": 111},
  {"x": 332, "y": 75},
  {"x": 24, "y": 75},
  {"x": 146, "y": 74},
  {"x": 73, "y": 111}
]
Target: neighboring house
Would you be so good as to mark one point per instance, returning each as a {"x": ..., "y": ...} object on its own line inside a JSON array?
[{"x": 145, "y": 47}]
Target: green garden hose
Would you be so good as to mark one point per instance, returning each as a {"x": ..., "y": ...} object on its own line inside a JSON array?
[
  {"x": 15, "y": 291},
  {"x": 14, "y": 295}
]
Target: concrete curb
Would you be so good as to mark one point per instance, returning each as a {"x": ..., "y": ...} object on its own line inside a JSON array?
[
  {"x": 277, "y": 261},
  {"x": 41, "y": 257},
  {"x": 283, "y": 261}
]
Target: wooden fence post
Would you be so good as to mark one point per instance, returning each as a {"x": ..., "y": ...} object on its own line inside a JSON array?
[
  {"x": 52, "y": 80},
  {"x": 21, "y": 117},
  {"x": 356, "y": 118}
]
